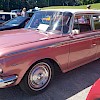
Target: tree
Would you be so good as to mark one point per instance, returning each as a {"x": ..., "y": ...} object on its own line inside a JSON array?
[{"x": 7, "y": 5}]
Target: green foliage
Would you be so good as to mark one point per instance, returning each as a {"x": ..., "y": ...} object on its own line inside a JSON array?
[
  {"x": 7, "y": 5},
  {"x": 93, "y": 6}
]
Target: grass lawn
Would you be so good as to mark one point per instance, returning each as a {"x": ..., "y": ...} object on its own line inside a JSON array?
[{"x": 93, "y": 6}]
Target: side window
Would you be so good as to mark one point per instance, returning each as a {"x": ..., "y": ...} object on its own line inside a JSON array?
[
  {"x": 2, "y": 17},
  {"x": 13, "y": 16},
  {"x": 82, "y": 23},
  {"x": 96, "y": 19},
  {"x": 5, "y": 17},
  {"x": 66, "y": 22}
]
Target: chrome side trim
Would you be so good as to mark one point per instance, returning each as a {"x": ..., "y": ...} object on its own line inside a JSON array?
[
  {"x": 71, "y": 41},
  {"x": 80, "y": 39},
  {"x": 74, "y": 39},
  {"x": 7, "y": 81}
]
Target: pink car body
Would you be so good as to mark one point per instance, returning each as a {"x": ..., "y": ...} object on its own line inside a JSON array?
[{"x": 20, "y": 49}]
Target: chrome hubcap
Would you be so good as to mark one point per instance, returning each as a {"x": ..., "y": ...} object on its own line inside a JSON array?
[{"x": 39, "y": 76}]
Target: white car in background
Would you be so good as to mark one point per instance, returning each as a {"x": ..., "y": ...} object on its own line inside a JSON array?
[{"x": 5, "y": 16}]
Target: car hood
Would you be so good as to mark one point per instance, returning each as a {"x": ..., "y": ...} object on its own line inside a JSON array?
[{"x": 11, "y": 38}]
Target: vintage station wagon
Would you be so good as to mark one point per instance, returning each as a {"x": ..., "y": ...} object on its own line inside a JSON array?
[{"x": 53, "y": 40}]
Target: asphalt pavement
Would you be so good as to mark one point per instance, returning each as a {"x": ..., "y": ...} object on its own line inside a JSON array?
[{"x": 73, "y": 85}]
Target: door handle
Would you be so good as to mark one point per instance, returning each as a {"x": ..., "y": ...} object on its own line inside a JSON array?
[{"x": 93, "y": 45}]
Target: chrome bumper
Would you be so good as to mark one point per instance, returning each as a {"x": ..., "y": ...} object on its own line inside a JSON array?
[{"x": 7, "y": 81}]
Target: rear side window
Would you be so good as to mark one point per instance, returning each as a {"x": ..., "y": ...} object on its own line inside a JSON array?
[
  {"x": 5, "y": 17},
  {"x": 96, "y": 19},
  {"x": 82, "y": 23}
]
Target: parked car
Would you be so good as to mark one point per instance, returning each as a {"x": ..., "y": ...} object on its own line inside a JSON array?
[
  {"x": 17, "y": 11},
  {"x": 94, "y": 93},
  {"x": 30, "y": 12},
  {"x": 15, "y": 23},
  {"x": 34, "y": 9},
  {"x": 53, "y": 40},
  {"x": 5, "y": 16},
  {"x": 1, "y": 21}
]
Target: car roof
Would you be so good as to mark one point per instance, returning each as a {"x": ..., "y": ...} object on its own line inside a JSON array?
[
  {"x": 8, "y": 13},
  {"x": 75, "y": 11}
]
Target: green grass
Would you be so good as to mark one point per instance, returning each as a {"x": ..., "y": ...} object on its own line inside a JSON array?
[{"x": 93, "y": 6}]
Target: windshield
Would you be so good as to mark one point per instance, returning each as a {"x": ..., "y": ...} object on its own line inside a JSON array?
[
  {"x": 16, "y": 21},
  {"x": 50, "y": 21}
]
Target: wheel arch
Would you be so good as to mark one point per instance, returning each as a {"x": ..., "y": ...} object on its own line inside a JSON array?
[
  {"x": 55, "y": 64},
  {"x": 56, "y": 67}
]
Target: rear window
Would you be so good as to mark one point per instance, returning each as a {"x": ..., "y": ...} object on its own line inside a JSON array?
[
  {"x": 96, "y": 19},
  {"x": 5, "y": 17}
]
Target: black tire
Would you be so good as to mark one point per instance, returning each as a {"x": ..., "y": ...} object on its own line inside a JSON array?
[{"x": 37, "y": 78}]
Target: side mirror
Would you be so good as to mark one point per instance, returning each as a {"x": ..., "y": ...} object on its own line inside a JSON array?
[{"x": 75, "y": 31}]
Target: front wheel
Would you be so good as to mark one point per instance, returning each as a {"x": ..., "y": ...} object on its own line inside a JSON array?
[{"x": 37, "y": 78}]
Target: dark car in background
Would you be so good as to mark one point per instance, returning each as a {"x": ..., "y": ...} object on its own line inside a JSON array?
[
  {"x": 17, "y": 11},
  {"x": 15, "y": 23},
  {"x": 30, "y": 12},
  {"x": 1, "y": 21}
]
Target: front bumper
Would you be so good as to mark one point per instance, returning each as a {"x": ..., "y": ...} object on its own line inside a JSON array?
[{"x": 7, "y": 81}]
